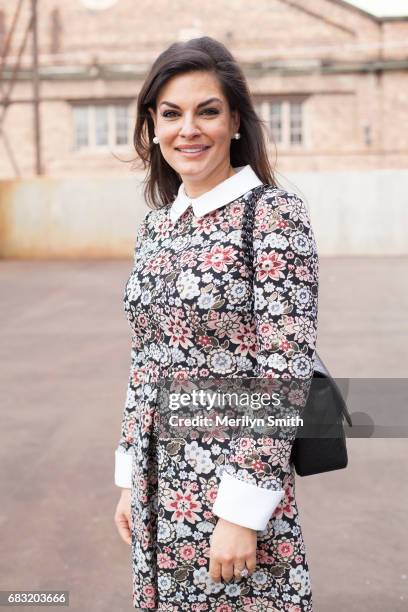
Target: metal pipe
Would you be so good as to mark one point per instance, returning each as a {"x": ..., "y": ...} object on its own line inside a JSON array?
[{"x": 36, "y": 90}]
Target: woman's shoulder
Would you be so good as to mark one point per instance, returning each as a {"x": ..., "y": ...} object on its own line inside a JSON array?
[
  {"x": 284, "y": 200},
  {"x": 151, "y": 220},
  {"x": 151, "y": 216},
  {"x": 277, "y": 191}
]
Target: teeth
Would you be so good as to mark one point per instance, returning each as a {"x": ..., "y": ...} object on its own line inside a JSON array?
[{"x": 193, "y": 150}]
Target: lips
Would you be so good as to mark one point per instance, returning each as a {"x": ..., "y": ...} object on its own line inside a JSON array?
[{"x": 186, "y": 149}]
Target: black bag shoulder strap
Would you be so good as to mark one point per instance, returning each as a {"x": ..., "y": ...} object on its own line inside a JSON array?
[{"x": 248, "y": 225}]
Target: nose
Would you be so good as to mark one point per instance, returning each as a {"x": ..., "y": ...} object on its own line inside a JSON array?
[{"x": 189, "y": 129}]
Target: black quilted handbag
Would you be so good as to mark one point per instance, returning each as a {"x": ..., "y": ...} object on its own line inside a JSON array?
[{"x": 320, "y": 445}]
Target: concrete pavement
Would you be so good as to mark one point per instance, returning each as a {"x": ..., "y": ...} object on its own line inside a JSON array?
[{"x": 65, "y": 350}]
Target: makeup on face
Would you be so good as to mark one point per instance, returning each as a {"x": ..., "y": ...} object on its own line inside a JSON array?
[{"x": 194, "y": 126}]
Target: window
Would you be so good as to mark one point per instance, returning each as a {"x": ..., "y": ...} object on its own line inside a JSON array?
[
  {"x": 100, "y": 125},
  {"x": 275, "y": 120},
  {"x": 284, "y": 120},
  {"x": 121, "y": 125},
  {"x": 295, "y": 123},
  {"x": 81, "y": 120}
]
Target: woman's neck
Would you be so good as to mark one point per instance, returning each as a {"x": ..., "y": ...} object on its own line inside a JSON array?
[{"x": 195, "y": 189}]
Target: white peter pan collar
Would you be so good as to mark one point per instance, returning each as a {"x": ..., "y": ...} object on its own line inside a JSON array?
[{"x": 227, "y": 191}]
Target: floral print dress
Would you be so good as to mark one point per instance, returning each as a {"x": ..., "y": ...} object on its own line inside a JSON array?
[{"x": 187, "y": 304}]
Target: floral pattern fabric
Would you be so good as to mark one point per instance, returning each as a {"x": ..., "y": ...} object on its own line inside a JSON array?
[{"x": 187, "y": 302}]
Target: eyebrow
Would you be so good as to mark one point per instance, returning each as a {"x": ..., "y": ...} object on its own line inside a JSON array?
[{"x": 198, "y": 105}]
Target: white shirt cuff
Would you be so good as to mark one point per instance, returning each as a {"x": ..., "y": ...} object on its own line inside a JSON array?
[
  {"x": 123, "y": 469},
  {"x": 244, "y": 503}
]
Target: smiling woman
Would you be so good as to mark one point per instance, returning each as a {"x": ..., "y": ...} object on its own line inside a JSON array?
[
  {"x": 212, "y": 519},
  {"x": 195, "y": 138},
  {"x": 196, "y": 94}
]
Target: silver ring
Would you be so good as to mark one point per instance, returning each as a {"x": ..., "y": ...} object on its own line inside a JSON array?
[{"x": 244, "y": 572}]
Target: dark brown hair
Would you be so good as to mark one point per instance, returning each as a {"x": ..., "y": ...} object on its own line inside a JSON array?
[{"x": 205, "y": 54}]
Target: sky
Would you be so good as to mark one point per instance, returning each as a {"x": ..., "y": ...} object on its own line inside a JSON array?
[{"x": 382, "y": 8}]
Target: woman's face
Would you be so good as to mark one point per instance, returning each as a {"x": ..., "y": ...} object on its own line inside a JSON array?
[{"x": 193, "y": 112}]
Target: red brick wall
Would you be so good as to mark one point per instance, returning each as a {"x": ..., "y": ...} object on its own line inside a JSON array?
[{"x": 337, "y": 107}]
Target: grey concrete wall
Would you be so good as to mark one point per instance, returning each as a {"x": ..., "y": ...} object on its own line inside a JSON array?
[
  {"x": 83, "y": 216},
  {"x": 353, "y": 213}
]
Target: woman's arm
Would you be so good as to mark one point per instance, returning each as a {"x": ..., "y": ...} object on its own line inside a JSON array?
[
  {"x": 125, "y": 448},
  {"x": 285, "y": 285}
]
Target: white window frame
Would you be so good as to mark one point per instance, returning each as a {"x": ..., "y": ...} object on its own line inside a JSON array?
[
  {"x": 111, "y": 119},
  {"x": 302, "y": 122},
  {"x": 264, "y": 109}
]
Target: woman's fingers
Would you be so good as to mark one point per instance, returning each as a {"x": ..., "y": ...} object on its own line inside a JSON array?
[
  {"x": 123, "y": 519},
  {"x": 248, "y": 565},
  {"x": 123, "y": 527},
  {"x": 238, "y": 567},
  {"x": 227, "y": 570},
  {"x": 231, "y": 547},
  {"x": 215, "y": 570},
  {"x": 251, "y": 564}
]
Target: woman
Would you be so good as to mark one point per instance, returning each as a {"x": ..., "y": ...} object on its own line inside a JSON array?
[{"x": 213, "y": 524}]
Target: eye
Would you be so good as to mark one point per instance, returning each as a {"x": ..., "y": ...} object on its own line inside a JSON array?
[{"x": 211, "y": 111}]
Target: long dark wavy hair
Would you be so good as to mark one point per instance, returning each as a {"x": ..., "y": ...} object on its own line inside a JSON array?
[{"x": 206, "y": 54}]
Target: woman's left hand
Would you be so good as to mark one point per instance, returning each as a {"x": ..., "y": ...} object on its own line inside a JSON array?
[{"x": 232, "y": 547}]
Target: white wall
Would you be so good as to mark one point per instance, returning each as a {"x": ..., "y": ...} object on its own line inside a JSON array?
[{"x": 353, "y": 213}]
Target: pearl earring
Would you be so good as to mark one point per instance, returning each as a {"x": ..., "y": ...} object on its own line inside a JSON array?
[
  {"x": 156, "y": 140},
  {"x": 237, "y": 135}
]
